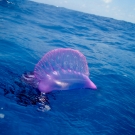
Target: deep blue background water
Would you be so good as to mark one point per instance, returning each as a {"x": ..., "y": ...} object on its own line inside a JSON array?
[{"x": 27, "y": 31}]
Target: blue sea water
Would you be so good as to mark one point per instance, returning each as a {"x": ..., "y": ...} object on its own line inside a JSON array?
[{"x": 28, "y": 30}]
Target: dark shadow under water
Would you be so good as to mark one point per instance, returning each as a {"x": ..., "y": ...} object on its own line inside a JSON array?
[{"x": 25, "y": 95}]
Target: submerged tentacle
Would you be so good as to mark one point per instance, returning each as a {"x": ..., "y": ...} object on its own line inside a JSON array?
[{"x": 43, "y": 103}]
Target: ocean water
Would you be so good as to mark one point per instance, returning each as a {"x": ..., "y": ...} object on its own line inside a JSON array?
[{"x": 28, "y": 30}]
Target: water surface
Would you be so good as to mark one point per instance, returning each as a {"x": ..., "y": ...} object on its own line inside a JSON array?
[{"x": 28, "y": 30}]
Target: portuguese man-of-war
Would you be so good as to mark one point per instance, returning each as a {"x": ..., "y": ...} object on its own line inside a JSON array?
[{"x": 60, "y": 69}]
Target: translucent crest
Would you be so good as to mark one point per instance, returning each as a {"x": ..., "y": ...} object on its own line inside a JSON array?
[{"x": 59, "y": 60}]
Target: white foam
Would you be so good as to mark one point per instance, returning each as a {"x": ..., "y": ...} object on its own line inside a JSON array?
[
  {"x": 2, "y": 116},
  {"x": 47, "y": 107}
]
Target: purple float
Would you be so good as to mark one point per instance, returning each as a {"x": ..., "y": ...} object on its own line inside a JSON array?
[{"x": 60, "y": 69}]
